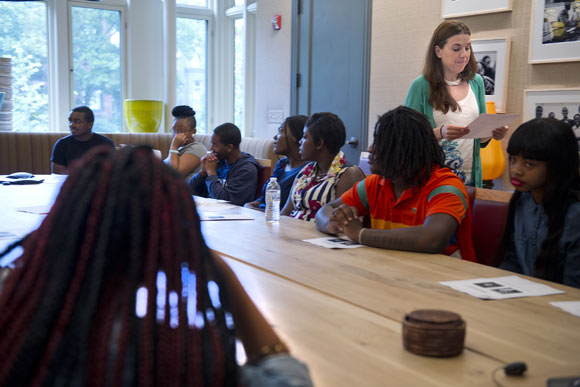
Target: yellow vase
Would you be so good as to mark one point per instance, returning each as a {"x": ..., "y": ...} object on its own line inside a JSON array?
[
  {"x": 143, "y": 116},
  {"x": 492, "y": 157}
]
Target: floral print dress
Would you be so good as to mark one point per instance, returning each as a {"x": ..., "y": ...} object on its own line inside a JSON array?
[{"x": 310, "y": 191}]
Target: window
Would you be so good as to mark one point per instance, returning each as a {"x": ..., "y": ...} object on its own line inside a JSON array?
[
  {"x": 197, "y": 3},
  {"x": 243, "y": 16},
  {"x": 70, "y": 53},
  {"x": 97, "y": 75},
  {"x": 191, "y": 62},
  {"x": 24, "y": 39},
  {"x": 239, "y": 73}
]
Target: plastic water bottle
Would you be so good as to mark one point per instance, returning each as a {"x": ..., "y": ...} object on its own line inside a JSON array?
[{"x": 272, "y": 201}]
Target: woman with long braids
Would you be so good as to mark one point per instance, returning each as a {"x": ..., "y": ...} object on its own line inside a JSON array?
[
  {"x": 117, "y": 287},
  {"x": 542, "y": 233}
]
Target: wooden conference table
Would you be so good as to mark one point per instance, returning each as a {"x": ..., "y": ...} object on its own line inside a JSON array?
[{"x": 341, "y": 310}]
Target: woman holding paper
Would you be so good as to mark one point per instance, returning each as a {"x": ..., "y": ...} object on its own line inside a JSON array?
[{"x": 451, "y": 94}]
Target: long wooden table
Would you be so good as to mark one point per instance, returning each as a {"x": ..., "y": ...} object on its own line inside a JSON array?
[
  {"x": 341, "y": 310},
  {"x": 388, "y": 284}
]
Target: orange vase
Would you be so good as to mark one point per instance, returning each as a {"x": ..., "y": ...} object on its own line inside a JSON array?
[{"x": 492, "y": 157}]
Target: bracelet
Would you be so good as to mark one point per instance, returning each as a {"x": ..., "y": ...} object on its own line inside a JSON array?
[
  {"x": 441, "y": 132},
  {"x": 360, "y": 235},
  {"x": 174, "y": 151},
  {"x": 271, "y": 349}
]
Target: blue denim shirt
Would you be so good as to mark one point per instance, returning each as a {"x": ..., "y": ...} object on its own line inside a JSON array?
[{"x": 530, "y": 230}]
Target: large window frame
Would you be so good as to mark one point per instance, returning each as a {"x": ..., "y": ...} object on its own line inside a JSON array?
[
  {"x": 246, "y": 11},
  {"x": 220, "y": 16},
  {"x": 206, "y": 14},
  {"x": 60, "y": 55}
]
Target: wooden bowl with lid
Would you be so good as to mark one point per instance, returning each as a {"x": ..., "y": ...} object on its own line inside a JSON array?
[{"x": 431, "y": 332}]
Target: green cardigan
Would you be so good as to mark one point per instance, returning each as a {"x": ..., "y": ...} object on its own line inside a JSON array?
[{"x": 418, "y": 99}]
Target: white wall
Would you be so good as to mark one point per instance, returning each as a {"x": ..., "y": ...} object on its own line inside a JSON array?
[{"x": 273, "y": 64}]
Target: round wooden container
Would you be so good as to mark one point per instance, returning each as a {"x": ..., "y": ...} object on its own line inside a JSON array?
[{"x": 431, "y": 332}]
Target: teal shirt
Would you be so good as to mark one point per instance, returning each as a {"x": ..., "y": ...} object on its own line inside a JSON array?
[{"x": 418, "y": 99}]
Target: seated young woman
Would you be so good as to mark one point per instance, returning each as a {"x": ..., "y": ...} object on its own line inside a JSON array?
[
  {"x": 542, "y": 232},
  {"x": 327, "y": 176},
  {"x": 185, "y": 153},
  {"x": 286, "y": 143},
  {"x": 117, "y": 287}
]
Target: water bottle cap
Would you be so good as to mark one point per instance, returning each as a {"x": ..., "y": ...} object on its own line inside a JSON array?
[{"x": 273, "y": 178}]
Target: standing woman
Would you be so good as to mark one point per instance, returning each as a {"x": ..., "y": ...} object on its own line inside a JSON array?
[
  {"x": 185, "y": 154},
  {"x": 286, "y": 143},
  {"x": 451, "y": 94}
]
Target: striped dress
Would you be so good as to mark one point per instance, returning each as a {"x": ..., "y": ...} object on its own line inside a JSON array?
[{"x": 310, "y": 192}]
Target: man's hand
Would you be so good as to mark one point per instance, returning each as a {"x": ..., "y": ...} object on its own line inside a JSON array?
[
  {"x": 211, "y": 162},
  {"x": 345, "y": 219}
]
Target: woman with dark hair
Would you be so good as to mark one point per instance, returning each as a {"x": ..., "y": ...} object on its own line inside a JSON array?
[
  {"x": 185, "y": 153},
  {"x": 451, "y": 94},
  {"x": 327, "y": 176},
  {"x": 117, "y": 287},
  {"x": 542, "y": 233},
  {"x": 286, "y": 143}
]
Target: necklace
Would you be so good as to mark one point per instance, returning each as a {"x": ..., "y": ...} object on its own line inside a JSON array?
[{"x": 453, "y": 83}]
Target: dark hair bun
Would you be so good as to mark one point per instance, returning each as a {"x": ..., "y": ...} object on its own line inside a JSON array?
[{"x": 182, "y": 111}]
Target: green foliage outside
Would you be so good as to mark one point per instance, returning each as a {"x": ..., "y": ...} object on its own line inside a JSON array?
[
  {"x": 23, "y": 38},
  {"x": 97, "y": 65},
  {"x": 96, "y": 62},
  {"x": 191, "y": 61}
]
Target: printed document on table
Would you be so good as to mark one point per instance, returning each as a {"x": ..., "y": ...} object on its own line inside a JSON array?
[
  {"x": 205, "y": 216},
  {"x": 334, "y": 243},
  {"x": 484, "y": 124},
  {"x": 500, "y": 288},
  {"x": 572, "y": 307}
]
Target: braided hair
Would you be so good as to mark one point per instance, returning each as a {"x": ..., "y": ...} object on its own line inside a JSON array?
[
  {"x": 405, "y": 147},
  {"x": 552, "y": 141},
  {"x": 117, "y": 286}
]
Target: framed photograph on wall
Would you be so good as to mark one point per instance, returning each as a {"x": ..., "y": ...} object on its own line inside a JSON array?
[
  {"x": 492, "y": 64},
  {"x": 555, "y": 31},
  {"x": 562, "y": 104},
  {"x": 457, "y": 8}
]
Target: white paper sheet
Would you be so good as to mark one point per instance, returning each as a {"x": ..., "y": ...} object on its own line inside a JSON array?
[
  {"x": 484, "y": 124},
  {"x": 212, "y": 205},
  {"x": 334, "y": 243},
  {"x": 572, "y": 307},
  {"x": 207, "y": 216},
  {"x": 500, "y": 288}
]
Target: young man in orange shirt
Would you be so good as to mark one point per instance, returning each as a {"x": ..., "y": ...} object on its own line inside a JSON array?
[{"x": 413, "y": 202}]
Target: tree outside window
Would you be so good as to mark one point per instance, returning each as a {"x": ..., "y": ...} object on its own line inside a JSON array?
[
  {"x": 97, "y": 75},
  {"x": 23, "y": 37}
]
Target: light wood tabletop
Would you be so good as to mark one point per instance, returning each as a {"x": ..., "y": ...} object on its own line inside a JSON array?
[
  {"x": 341, "y": 310},
  {"x": 391, "y": 284}
]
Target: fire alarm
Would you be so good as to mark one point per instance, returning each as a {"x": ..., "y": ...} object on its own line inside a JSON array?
[{"x": 277, "y": 22}]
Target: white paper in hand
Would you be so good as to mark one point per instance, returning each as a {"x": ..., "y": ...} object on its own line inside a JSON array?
[{"x": 483, "y": 126}]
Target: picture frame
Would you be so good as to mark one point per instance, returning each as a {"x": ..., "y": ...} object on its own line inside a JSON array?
[
  {"x": 457, "y": 8},
  {"x": 492, "y": 57},
  {"x": 554, "y": 32},
  {"x": 553, "y": 101}
]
